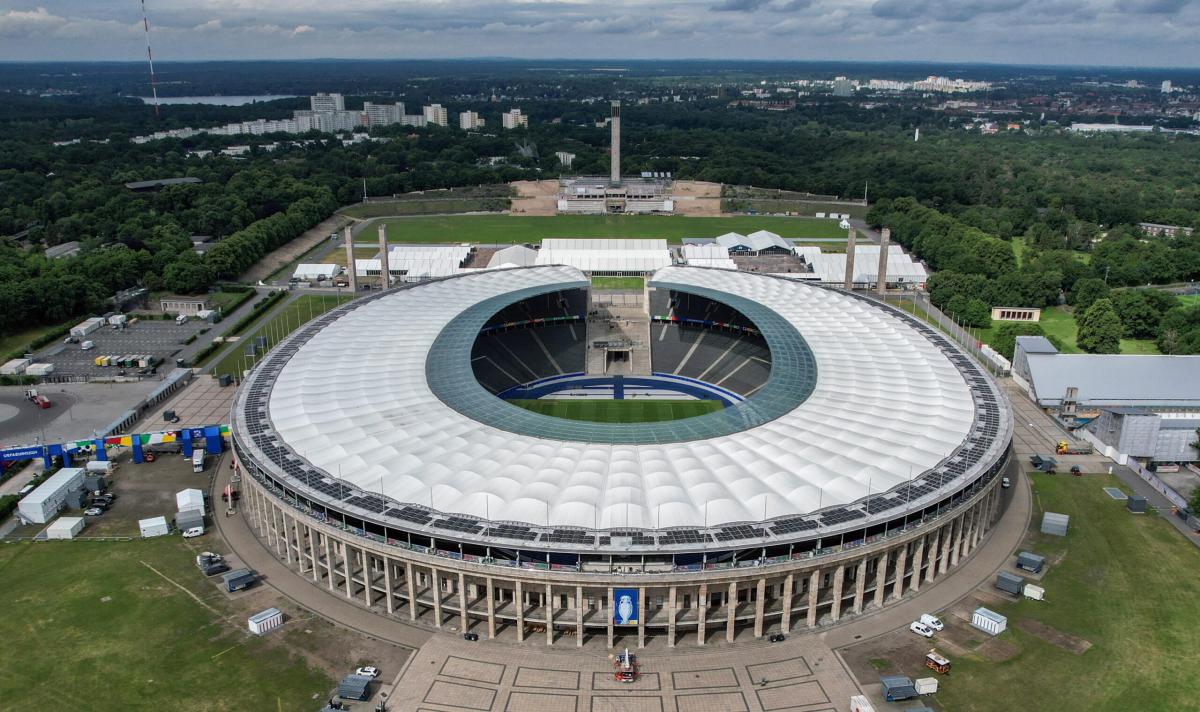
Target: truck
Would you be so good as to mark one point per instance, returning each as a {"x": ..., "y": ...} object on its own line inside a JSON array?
[
  {"x": 198, "y": 460},
  {"x": 238, "y": 579},
  {"x": 897, "y": 687}
]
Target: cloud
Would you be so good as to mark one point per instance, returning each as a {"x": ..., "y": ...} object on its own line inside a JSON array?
[
  {"x": 739, "y": 5},
  {"x": 39, "y": 22},
  {"x": 1152, "y": 7},
  {"x": 942, "y": 10}
]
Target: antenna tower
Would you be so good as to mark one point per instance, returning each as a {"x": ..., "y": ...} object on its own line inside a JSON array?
[{"x": 150, "y": 56}]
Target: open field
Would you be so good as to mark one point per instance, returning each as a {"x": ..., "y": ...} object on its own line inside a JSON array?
[
  {"x": 1124, "y": 583},
  {"x": 618, "y": 283},
  {"x": 281, "y": 323},
  {"x": 619, "y": 411},
  {"x": 1060, "y": 323},
  {"x": 510, "y": 229},
  {"x": 18, "y": 341},
  {"x": 92, "y": 626}
]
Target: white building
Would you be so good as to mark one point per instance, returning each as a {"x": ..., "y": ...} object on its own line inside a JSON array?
[
  {"x": 1166, "y": 86},
  {"x": 565, "y": 159},
  {"x": 383, "y": 114},
  {"x": 40, "y": 505},
  {"x": 327, "y": 102},
  {"x": 513, "y": 118},
  {"x": 435, "y": 114},
  {"x": 469, "y": 120},
  {"x": 842, "y": 87},
  {"x": 315, "y": 272}
]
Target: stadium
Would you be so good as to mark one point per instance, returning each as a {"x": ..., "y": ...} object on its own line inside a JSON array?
[{"x": 511, "y": 452}]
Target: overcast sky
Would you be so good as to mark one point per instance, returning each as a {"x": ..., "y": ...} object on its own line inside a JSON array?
[{"x": 1136, "y": 32}]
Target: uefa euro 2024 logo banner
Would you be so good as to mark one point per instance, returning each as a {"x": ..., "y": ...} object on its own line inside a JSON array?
[{"x": 626, "y": 610}]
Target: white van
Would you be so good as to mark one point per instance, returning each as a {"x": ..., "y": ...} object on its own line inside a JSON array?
[
  {"x": 932, "y": 621},
  {"x": 181, "y": 319},
  {"x": 88, "y": 345},
  {"x": 193, "y": 532}
]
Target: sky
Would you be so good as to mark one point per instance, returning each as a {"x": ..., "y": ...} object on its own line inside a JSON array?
[{"x": 1084, "y": 32}]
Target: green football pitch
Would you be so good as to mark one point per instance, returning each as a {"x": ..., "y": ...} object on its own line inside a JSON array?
[
  {"x": 619, "y": 411},
  {"x": 515, "y": 229}
]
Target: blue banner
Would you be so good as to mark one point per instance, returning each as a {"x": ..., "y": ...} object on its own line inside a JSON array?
[{"x": 626, "y": 610}]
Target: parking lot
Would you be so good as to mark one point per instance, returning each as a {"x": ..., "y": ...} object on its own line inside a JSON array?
[{"x": 161, "y": 339}]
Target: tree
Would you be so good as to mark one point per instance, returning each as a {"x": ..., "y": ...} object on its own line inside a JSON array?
[
  {"x": 1141, "y": 310},
  {"x": 1005, "y": 338},
  {"x": 1085, "y": 291},
  {"x": 1100, "y": 329}
]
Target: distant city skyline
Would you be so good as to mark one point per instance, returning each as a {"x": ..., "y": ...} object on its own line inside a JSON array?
[{"x": 1152, "y": 33}]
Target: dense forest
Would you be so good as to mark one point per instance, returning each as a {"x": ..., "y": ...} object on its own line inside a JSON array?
[{"x": 1017, "y": 218}]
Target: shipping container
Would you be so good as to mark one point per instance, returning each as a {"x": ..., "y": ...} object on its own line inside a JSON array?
[
  {"x": 1010, "y": 583},
  {"x": 86, "y": 327},
  {"x": 1030, "y": 561},
  {"x": 189, "y": 519},
  {"x": 39, "y": 369},
  {"x": 897, "y": 687},
  {"x": 926, "y": 685},
  {"x": 154, "y": 526},
  {"x": 117, "y": 320},
  {"x": 1036, "y": 593},
  {"x": 264, "y": 621},
  {"x": 1136, "y": 504},
  {"x": 988, "y": 621},
  {"x": 40, "y": 505},
  {"x": 15, "y": 367},
  {"x": 237, "y": 580},
  {"x": 102, "y": 467},
  {"x": 1055, "y": 524},
  {"x": 65, "y": 528},
  {"x": 860, "y": 703}
]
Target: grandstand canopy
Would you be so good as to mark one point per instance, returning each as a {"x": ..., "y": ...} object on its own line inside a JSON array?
[
  {"x": 606, "y": 256},
  {"x": 884, "y": 405}
]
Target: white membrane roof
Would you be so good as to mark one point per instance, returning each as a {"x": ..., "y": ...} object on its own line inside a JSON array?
[{"x": 355, "y": 401}]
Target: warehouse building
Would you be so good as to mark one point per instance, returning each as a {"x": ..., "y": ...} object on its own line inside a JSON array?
[{"x": 53, "y": 495}]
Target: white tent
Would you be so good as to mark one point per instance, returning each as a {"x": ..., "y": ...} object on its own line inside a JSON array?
[
  {"x": 315, "y": 272},
  {"x": 606, "y": 256},
  {"x": 154, "y": 526},
  {"x": 189, "y": 499}
]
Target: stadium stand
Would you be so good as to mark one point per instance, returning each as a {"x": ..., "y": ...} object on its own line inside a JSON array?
[{"x": 699, "y": 346}]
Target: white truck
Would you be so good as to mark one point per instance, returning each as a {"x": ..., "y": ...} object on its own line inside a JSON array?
[{"x": 198, "y": 460}]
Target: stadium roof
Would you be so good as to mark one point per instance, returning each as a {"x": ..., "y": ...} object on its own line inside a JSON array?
[
  {"x": 831, "y": 266},
  {"x": 606, "y": 255},
  {"x": 886, "y": 404},
  {"x": 1115, "y": 380}
]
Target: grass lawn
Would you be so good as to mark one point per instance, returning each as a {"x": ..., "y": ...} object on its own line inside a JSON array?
[
  {"x": 281, "y": 323},
  {"x": 1125, "y": 583},
  {"x": 18, "y": 340},
  {"x": 1188, "y": 300},
  {"x": 618, "y": 283},
  {"x": 1018, "y": 248},
  {"x": 228, "y": 301},
  {"x": 509, "y": 229},
  {"x": 619, "y": 411},
  {"x": 91, "y": 627}
]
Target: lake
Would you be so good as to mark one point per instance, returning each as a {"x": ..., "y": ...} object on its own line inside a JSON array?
[{"x": 215, "y": 100}]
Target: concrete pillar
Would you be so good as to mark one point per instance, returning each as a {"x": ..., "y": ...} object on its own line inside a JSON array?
[
  {"x": 463, "y": 620},
  {"x": 351, "y": 272},
  {"x": 549, "y": 608},
  {"x": 273, "y": 529},
  {"x": 643, "y": 609},
  {"x": 880, "y": 579},
  {"x": 313, "y": 537},
  {"x": 412, "y": 590},
  {"x": 348, "y": 570},
  {"x": 671, "y": 618},
  {"x": 934, "y": 542},
  {"x": 612, "y": 611},
  {"x": 947, "y": 540},
  {"x": 328, "y": 561},
  {"x": 437, "y": 596},
  {"x": 385, "y": 274},
  {"x": 814, "y": 583},
  {"x": 785, "y": 616},
  {"x": 760, "y": 601},
  {"x": 956, "y": 543},
  {"x": 294, "y": 540},
  {"x": 839, "y": 576},
  {"x": 850, "y": 240},
  {"x": 615, "y": 125},
  {"x": 579, "y": 616},
  {"x": 701, "y": 612},
  {"x": 918, "y": 555},
  {"x": 730, "y": 611},
  {"x": 491, "y": 607},
  {"x": 860, "y": 586},
  {"x": 368, "y": 579},
  {"x": 901, "y": 562},
  {"x": 885, "y": 236},
  {"x": 519, "y": 600},
  {"x": 387, "y": 586}
]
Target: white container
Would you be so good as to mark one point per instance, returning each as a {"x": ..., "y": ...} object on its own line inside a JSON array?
[
  {"x": 100, "y": 467},
  {"x": 190, "y": 499},
  {"x": 989, "y": 622},
  {"x": 860, "y": 703},
  {"x": 40, "y": 369},
  {"x": 926, "y": 685},
  {"x": 1036, "y": 593},
  {"x": 15, "y": 367},
  {"x": 117, "y": 320},
  {"x": 263, "y": 621},
  {"x": 88, "y": 345},
  {"x": 198, "y": 460},
  {"x": 154, "y": 526},
  {"x": 64, "y": 528},
  {"x": 51, "y": 496},
  {"x": 84, "y": 328}
]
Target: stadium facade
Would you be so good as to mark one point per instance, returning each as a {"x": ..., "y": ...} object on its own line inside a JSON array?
[{"x": 859, "y": 463}]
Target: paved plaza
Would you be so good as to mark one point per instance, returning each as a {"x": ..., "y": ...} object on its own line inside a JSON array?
[{"x": 201, "y": 402}]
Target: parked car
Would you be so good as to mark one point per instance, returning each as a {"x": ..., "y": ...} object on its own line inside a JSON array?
[
  {"x": 1076, "y": 471},
  {"x": 1005, "y": 483},
  {"x": 193, "y": 532},
  {"x": 932, "y": 621},
  {"x": 473, "y": 637},
  {"x": 778, "y": 638},
  {"x": 93, "y": 512},
  {"x": 921, "y": 629},
  {"x": 214, "y": 569},
  {"x": 368, "y": 671},
  {"x": 101, "y": 504}
]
